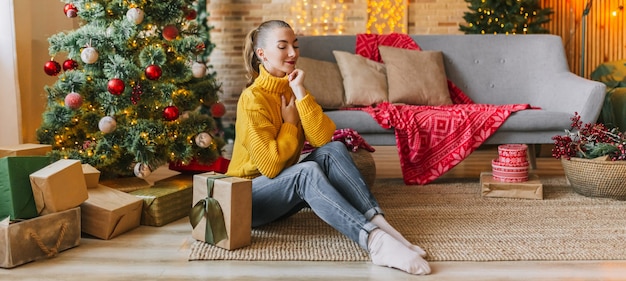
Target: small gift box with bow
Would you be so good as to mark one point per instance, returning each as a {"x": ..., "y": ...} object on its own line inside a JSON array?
[{"x": 221, "y": 212}]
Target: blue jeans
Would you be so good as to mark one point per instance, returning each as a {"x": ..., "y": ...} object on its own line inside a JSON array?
[{"x": 327, "y": 181}]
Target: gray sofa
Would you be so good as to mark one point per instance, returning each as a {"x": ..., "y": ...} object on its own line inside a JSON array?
[{"x": 490, "y": 69}]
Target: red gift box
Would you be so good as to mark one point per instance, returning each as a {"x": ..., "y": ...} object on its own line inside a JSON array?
[{"x": 220, "y": 166}]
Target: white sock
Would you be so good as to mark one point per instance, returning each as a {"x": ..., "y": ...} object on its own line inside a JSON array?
[
  {"x": 380, "y": 221},
  {"x": 387, "y": 251}
]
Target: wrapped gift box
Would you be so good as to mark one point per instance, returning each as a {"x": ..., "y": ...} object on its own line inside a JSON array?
[
  {"x": 234, "y": 196},
  {"x": 92, "y": 175},
  {"x": 194, "y": 167},
  {"x": 168, "y": 200},
  {"x": 26, "y": 149},
  {"x": 109, "y": 212},
  {"x": 59, "y": 186},
  {"x": 38, "y": 238},
  {"x": 531, "y": 189},
  {"x": 16, "y": 194},
  {"x": 126, "y": 184}
]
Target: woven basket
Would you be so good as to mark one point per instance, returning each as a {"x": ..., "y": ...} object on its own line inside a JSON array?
[{"x": 596, "y": 178}]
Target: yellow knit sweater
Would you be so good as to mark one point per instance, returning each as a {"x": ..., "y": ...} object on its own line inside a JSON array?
[{"x": 264, "y": 145}]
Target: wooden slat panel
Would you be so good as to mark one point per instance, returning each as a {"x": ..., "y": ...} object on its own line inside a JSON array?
[{"x": 605, "y": 37}]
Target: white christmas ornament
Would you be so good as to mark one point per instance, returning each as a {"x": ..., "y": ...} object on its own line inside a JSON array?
[
  {"x": 89, "y": 55},
  {"x": 107, "y": 124},
  {"x": 110, "y": 31},
  {"x": 142, "y": 170},
  {"x": 135, "y": 15},
  {"x": 198, "y": 69},
  {"x": 204, "y": 140}
]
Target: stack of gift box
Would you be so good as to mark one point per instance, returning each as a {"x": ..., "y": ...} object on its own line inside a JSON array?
[
  {"x": 40, "y": 204},
  {"x": 511, "y": 164},
  {"x": 510, "y": 177},
  {"x": 52, "y": 202}
]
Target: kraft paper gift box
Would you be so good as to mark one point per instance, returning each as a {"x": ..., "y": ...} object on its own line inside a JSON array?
[
  {"x": 92, "y": 175},
  {"x": 531, "y": 189},
  {"x": 38, "y": 238},
  {"x": 59, "y": 186},
  {"x": 16, "y": 194},
  {"x": 26, "y": 149},
  {"x": 214, "y": 196},
  {"x": 126, "y": 184},
  {"x": 166, "y": 201},
  {"x": 109, "y": 212}
]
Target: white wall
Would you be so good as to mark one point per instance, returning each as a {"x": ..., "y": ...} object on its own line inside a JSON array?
[
  {"x": 28, "y": 24},
  {"x": 9, "y": 86}
]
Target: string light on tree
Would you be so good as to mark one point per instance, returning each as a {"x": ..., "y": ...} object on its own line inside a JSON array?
[
  {"x": 505, "y": 17},
  {"x": 120, "y": 45}
]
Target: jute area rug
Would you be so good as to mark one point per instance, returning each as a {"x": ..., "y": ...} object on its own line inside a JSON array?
[{"x": 452, "y": 222}]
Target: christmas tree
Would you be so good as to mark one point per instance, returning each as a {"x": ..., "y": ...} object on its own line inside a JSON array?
[
  {"x": 505, "y": 17},
  {"x": 134, "y": 91}
]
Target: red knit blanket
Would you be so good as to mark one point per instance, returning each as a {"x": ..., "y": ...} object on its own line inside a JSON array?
[{"x": 432, "y": 140}]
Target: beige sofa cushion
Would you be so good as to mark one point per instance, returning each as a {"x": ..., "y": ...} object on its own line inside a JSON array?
[
  {"x": 415, "y": 77},
  {"x": 364, "y": 80},
  {"x": 323, "y": 80}
]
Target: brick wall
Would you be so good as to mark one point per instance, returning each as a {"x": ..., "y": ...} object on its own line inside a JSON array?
[{"x": 233, "y": 19}]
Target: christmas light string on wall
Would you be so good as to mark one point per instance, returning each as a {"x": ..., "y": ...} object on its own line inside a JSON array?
[
  {"x": 386, "y": 16},
  {"x": 318, "y": 18}
]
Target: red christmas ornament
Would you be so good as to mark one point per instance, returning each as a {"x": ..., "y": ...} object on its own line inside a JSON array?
[
  {"x": 116, "y": 86},
  {"x": 73, "y": 100},
  {"x": 69, "y": 64},
  {"x": 191, "y": 14},
  {"x": 170, "y": 32},
  {"x": 52, "y": 68},
  {"x": 218, "y": 109},
  {"x": 170, "y": 113},
  {"x": 153, "y": 72},
  {"x": 70, "y": 10}
]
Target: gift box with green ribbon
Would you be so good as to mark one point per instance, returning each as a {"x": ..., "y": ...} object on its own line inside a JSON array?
[
  {"x": 168, "y": 200},
  {"x": 221, "y": 213},
  {"x": 16, "y": 194}
]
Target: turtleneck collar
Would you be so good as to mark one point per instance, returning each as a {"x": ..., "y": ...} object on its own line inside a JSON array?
[{"x": 272, "y": 83}]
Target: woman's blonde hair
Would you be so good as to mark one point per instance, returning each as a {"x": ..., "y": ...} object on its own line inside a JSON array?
[{"x": 254, "y": 40}]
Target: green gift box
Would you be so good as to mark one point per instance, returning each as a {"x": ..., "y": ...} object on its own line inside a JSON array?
[
  {"x": 168, "y": 200},
  {"x": 16, "y": 194}
]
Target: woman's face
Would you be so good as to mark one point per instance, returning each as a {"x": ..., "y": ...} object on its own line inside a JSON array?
[{"x": 279, "y": 52}]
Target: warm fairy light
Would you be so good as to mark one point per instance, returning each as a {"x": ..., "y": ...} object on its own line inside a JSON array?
[
  {"x": 386, "y": 16},
  {"x": 323, "y": 18}
]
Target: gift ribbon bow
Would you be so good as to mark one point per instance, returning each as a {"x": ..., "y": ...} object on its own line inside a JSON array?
[{"x": 210, "y": 209}]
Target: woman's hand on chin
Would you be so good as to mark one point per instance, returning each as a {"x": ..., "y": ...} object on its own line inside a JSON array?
[{"x": 296, "y": 82}]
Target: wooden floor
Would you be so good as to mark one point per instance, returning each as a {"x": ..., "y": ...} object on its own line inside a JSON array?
[{"x": 160, "y": 253}]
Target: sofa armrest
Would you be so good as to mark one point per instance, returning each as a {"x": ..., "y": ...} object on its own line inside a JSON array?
[{"x": 569, "y": 93}]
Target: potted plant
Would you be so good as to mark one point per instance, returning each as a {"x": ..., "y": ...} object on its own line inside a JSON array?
[{"x": 593, "y": 158}]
